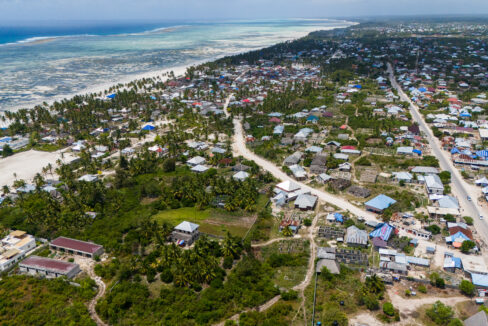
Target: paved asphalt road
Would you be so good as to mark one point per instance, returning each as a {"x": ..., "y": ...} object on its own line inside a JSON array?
[{"x": 460, "y": 187}]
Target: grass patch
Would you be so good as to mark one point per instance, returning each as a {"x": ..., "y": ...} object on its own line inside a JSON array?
[
  {"x": 211, "y": 220},
  {"x": 176, "y": 216},
  {"x": 342, "y": 288},
  {"x": 292, "y": 270},
  {"x": 47, "y": 147}
]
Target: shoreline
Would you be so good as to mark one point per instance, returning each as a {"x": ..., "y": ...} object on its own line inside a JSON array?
[
  {"x": 178, "y": 71},
  {"x": 19, "y": 165}
]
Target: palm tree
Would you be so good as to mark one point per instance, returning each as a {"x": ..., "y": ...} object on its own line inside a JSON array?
[
  {"x": 287, "y": 232},
  {"x": 38, "y": 181},
  {"x": 229, "y": 246},
  {"x": 375, "y": 284}
]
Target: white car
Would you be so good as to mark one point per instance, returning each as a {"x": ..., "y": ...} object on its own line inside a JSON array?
[{"x": 481, "y": 217}]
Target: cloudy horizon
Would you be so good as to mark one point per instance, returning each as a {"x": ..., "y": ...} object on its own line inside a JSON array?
[{"x": 100, "y": 10}]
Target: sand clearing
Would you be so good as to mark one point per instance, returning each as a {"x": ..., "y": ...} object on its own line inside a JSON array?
[{"x": 27, "y": 164}]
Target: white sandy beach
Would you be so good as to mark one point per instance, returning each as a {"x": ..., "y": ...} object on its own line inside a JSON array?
[{"x": 26, "y": 165}]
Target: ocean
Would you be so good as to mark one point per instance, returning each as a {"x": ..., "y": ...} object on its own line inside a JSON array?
[{"x": 49, "y": 62}]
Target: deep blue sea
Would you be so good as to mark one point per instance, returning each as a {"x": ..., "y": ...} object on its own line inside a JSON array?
[{"x": 44, "y": 62}]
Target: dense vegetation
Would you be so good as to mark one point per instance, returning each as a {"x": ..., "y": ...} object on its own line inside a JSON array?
[
  {"x": 31, "y": 301},
  {"x": 248, "y": 285}
]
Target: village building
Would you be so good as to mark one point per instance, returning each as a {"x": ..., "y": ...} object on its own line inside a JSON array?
[
  {"x": 434, "y": 184},
  {"x": 49, "y": 268},
  {"x": 298, "y": 172},
  {"x": 199, "y": 168},
  {"x": 332, "y": 266},
  {"x": 197, "y": 160},
  {"x": 185, "y": 233},
  {"x": 478, "y": 319},
  {"x": 14, "y": 247},
  {"x": 318, "y": 164},
  {"x": 306, "y": 202},
  {"x": 379, "y": 203},
  {"x": 356, "y": 237},
  {"x": 293, "y": 159},
  {"x": 76, "y": 247},
  {"x": 359, "y": 191},
  {"x": 241, "y": 176}
]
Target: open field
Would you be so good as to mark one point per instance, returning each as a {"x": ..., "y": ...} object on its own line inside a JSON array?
[{"x": 212, "y": 221}]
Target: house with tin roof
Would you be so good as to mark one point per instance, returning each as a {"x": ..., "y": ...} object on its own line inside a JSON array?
[
  {"x": 185, "y": 233},
  {"x": 356, "y": 237},
  {"x": 379, "y": 203}
]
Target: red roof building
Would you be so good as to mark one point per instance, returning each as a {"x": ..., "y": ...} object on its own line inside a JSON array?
[
  {"x": 48, "y": 267},
  {"x": 77, "y": 247}
]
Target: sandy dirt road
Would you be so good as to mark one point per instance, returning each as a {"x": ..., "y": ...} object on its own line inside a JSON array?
[{"x": 239, "y": 148}]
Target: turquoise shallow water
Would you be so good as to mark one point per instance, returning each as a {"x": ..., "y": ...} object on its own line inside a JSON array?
[{"x": 44, "y": 63}]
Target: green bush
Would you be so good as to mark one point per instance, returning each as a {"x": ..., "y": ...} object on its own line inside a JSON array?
[
  {"x": 467, "y": 287},
  {"x": 467, "y": 246},
  {"x": 440, "y": 313},
  {"x": 228, "y": 261},
  {"x": 371, "y": 302},
  {"x": 437, "y": 281},
  {"x": 422, "y": 289},
  {"x": 440, "y": 283},
  {"x": 169, "y": 165},
  {"x": 388, "y": 309},
  {"x": 434, "y": 229},
  {"x": 166, "y": 276},
  {"x": 455, "y": 322},
  {"x": 289, "y": 295}
]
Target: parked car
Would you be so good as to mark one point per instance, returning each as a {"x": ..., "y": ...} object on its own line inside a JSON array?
[{"x": 469, "y": 198}]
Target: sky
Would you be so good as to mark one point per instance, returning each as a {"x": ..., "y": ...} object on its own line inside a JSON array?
[{"x": 62, "y": 10}]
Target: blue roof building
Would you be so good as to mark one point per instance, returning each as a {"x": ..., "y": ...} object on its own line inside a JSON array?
[
  {"x": 457, "y": 235},
  {"x": 480, "y": 280},
  {"x": 278, "y": 130},
  {"x": 379, "y": 203},
  {"x": 312, "y": 118},
  {"x": 338, "y": 217},
  {"x": 148, "y": 127},
  {"x": 382, "y": 231}
]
